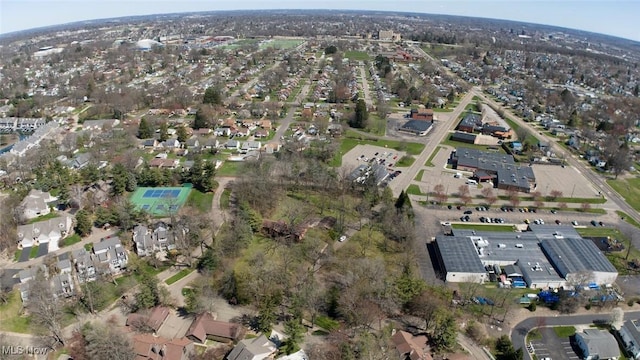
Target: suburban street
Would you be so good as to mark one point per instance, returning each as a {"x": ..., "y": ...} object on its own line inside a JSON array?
[{"x": 441, "y": 127}]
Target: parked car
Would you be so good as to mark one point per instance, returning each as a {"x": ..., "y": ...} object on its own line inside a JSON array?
[
  {"x": 601, "y": 223},
  {"x": 468, "y": 212},
  {"x": 553, "y": 211},
  {"x": 574, "y": 223},
  {"x": 342, "y": 238},
  {"x": 594, "y": 223},
  {"x": 558, "y": 222}
]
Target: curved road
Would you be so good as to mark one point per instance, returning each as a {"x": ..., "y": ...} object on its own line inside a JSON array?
[{"x": 520, "y": 331}]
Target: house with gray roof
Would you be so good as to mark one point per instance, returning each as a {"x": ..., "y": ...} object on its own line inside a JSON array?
[
  {"x": 148, "y": 241},
  {"x": 629, "y": 335},
  {"x": 49, "y": 231},
  {"x": 36, "y": 204},
  {"x": 597, "y": 345},
  {"x": 85, "y": 265},
  {"x": 110, "y": 252},
  {"x": 252, "y": 349},
  {"x": 62, "y": 285}
]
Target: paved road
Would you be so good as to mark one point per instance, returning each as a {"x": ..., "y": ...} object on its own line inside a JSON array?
[
  {"x": 597, "y": 180},
  {"x": 434, "y": 138},
  {"x": 520, "y": 331},
  {"x": 286, "y": 122},
  {"x": 365, "y": 87}
]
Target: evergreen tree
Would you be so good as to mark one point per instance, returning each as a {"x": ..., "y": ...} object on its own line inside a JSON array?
[
  {"x": 181, "y": 133},
  {"x": 145, "y": 129},
  {"x": 212, "y": 96},
  {"x": 361, "y": 115},
  {"x": 200, "y": 120},
  {"x": 164, "y": 131},
  {"x": 445, "y": 334},
  {"x": 83, "y": 223}
]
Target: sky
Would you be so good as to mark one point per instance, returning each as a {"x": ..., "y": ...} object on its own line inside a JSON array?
[{"x": 612, "y": 17}]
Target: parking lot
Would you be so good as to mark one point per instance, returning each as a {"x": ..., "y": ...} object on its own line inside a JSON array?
[
  {"x": 568, "y": 180},
  {"x": 367, "y": 154},
  {"x": 550, "y": 346}
]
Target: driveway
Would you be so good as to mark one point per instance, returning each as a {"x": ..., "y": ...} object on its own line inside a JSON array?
[
  {"x": 24, "y": 255},
  {"x": 43, "y": 250}
]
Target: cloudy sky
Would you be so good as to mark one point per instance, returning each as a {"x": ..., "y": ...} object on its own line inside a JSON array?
[{"x": 613, "y": 17}]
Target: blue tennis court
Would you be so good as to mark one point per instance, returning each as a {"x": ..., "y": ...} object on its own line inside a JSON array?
[{"x": 153, "y": 193}]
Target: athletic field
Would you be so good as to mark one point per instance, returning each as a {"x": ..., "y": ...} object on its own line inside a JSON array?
[{"x": 159, "y": 201}]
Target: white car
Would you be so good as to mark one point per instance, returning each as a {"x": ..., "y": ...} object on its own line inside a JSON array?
[{"x": 342, "y": 238}]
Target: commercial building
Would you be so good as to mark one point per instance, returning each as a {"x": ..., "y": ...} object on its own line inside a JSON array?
[
  {"x": 501, "y": 169},
  {"x": 548, "y": 256},
  {"x": 416, "y": 127}
]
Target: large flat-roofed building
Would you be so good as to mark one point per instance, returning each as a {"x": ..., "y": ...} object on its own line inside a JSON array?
[
  {"x": 459, "y": 259},
  {"x": 546, "y": 257},
  {"x": 506, "y": 174}
]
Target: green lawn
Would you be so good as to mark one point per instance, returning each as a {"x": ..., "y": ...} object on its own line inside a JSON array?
[
  {"x": 414, "y": 189},
  {"x": 599, "y": 231},
  {"x": 50, "y": 215},
  {"x": 405, "y": 161},
  {"x": 376, "y": 125},
  {"x": 531, "y": 138},
  {"x": 88, "y": 247},
  {"x": 34, "y": 252},
  {"x": 199, "y": 200},
  {"x": 13, "y": 319},
  {"x": 230, "y": 168},
  {"x": 478, "y": 227},
  {"x": 419, "y": 176},
  {"x": 356, "y": 55},
  {"x": 627, "y": 218},
  {"x": 564, "y": 331},
  {"x": 225, "y": 198},
  {"x": 73, "y": 239},
  {"x": 629, "y": 189},
  {"x": 181, "y": 274},
  {"x": 327, "y": 323},
  {"x": 433, "y": 155}
]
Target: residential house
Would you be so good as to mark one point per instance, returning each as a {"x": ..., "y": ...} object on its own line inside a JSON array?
[
  {"x": 25, "y": 276},
  {"x": 49, "y": 231},
  {"x": 149, "y": 347},
  {"x": 36, "y": 204},
  {"x": 232, "y": 144},
  {"x": 164, "y": 163},
  {"x": 110, "y": 251},
  {"x": 211, "y": 143},
  {"x": 100, "y": 124},
  {"x": 202, "y": 132},
  {"x": 261, "y": 133},
  {"x": 204, "y": 327},
  {"x": 64, "y": 266},
  {"x": 272, "y": 148},
  {"x": 152, "y": 318},
  {"x": 148, "y": 241},
  {"x": 265, "y": 124},
  {"x": 410, "y": 347},
  {"x": 222, "y": 131},
  {"x": 253, "y": 349},
  {"x": 85, "y": 265},
  {"x": 241, "y": 132},
  {"x": 80, "y": 160},
  {"x": 193, "y": 143},
  {"x": 150, "y": 144},
  {"x": 63, "y": 285},
  {"x": 629, "y": 335},
  {"x": 597, "y": 345},
  {"x": 171, "y": 144}
]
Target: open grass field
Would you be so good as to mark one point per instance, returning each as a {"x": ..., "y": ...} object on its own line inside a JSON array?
[
  {"x": 230, "y": 168},
  {"x": 160, "y": 201},
  {"x": 201, "y": 201},
  {"x": 629, "y": 189},
  {"x": 11, "y": 315},
  {"x": 356, "y": 55},
  {"x": 628, "y": 219},
  {"x": 280, "y": 43}
]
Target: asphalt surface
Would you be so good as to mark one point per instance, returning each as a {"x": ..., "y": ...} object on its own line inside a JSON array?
[
  {"x": 520, "y": 331},
  {"x": 597, "y": 180}
]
